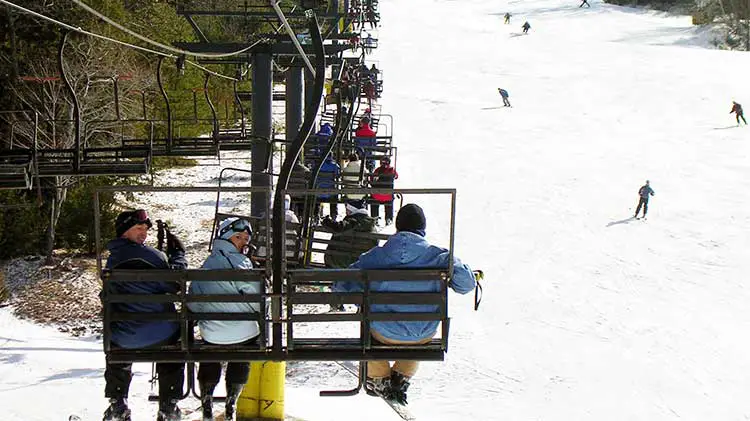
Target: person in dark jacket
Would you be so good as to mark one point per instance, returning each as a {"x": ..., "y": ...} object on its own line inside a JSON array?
[
  {"x": 128, "y": 251},
  {"x": 737, "y": 109},
  {"x": 299, "y": 179},
  {"x": 526, "y": 27},
  {"x": 328, "y": 178},
  {"x": 346, "y": 249},
  {"x": 644, "y": 192},
  {"x": 232, "y": 237},
  {"x": 405, "y": 249},
  {"x": 383, "y": 178},
  {"x": 507, "y": 18}
]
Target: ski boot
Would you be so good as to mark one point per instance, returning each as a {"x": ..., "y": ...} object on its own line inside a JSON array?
[
  {"x": 118, "y": 410},
  {"x": 233, "y": 393},
  {"x": 168, "y": 411},
  {"x": 207, "y": 400},
  {"x": 399, "y": 386},
  {"x": 380, "y": 386}
]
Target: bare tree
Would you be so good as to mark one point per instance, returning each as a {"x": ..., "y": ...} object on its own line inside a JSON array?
[{"x": 91, "y": 68}]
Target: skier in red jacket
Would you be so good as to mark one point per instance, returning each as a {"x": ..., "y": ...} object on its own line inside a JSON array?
[
  {"x": 364, "y": 129},
  {"x": 383, "y": 178}
]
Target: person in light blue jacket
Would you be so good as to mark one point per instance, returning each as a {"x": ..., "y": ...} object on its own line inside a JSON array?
[
  {"x": 232, "y": 238},
  {"x": 405, "y": 249}
]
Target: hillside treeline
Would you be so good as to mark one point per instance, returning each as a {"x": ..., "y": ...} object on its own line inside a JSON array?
[{"x": 57, "y": 212}]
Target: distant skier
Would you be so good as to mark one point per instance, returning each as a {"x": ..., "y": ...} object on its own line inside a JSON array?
[
  {"x": 737, "y": 109},
  {"x": 526, "y": 27},
  {"x": 507, "y": 18},
  {"x": 586, "y": 3},
  {"x": 644, "y": 192},
  {"x": 504, "y": 95}
]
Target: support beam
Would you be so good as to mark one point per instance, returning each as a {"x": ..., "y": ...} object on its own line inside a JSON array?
[
  {"x": 262, "y": 127},
  {"x": 309, "y": 79},
  {"x": 279, "y": 48},
  {"x": 294, "y": 101},
  {"x": 196, "y": 28}
]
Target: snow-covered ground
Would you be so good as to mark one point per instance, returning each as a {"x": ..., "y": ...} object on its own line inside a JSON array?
[{"x": 587, "y": 314}]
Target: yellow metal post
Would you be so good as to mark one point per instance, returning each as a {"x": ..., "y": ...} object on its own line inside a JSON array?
[{"x": 263, "y": 395}]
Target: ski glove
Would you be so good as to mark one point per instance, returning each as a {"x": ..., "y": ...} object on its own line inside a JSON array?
[
  {"x": 478, "y": 275},
  {"x": 174, "y": 243}
]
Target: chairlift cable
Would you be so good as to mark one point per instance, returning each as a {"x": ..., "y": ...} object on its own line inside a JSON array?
[
  {"x": 116, "y": 41},
  {"x": 81, "y": 30},
  {"x": 158, "y": 44}
]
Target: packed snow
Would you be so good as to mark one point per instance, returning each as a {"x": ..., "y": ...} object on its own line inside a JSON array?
[{"x": 588, "y": 314}]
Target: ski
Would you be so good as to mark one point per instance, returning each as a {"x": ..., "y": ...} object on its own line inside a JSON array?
[{"x": 400, "y": 409}]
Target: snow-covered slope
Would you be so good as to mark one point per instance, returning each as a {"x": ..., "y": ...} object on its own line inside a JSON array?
[{"x": 587, "y": 314}]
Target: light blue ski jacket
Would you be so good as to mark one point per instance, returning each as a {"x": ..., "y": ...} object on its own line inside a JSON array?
[
  {"x": 408, "y": 250},
  {"x": 225, "y": 255}
]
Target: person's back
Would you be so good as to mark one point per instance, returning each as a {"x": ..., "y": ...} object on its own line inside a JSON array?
[
  {"x": 405, "y": 249},
  {"x": 409, "y": 249},
  {"x": 327, "y": 176},
  {"x": 344, "y": 242},
  {"x": 350, "y": 176},
  {"x": 364, "y": 129}
]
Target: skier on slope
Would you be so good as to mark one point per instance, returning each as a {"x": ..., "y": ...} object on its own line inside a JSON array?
[
  {"x": 507, "y": 18},
  {"x": 504, "y": 94},
  {"x": 526, "y": 27},
  {"x": 644, "y": 192},
  {"x": 737, "y": 109},
  {"x": 405, "y": 249}
]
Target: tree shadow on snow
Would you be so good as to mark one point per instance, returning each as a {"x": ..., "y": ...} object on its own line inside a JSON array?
[{"x": 622, "y": 221}]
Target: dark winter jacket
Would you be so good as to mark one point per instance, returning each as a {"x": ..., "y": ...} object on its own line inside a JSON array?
[
  {"x": 383, "y": 178},
  {"x": 645, "y": 191},
  {"x": 346, "y": 248},
  {"x": 736, "y": 108},
  {"x": 408, "y": 250},
  {"x": 125, "y": 254}
]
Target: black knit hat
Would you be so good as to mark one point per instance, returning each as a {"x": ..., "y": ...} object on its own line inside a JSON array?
[
  {"x": 128, "y": 219},
  {"x": 411, "y": 218}
]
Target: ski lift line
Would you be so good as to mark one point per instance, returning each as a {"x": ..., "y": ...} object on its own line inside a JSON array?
[
  {"x": 210, "y": 71},
  {"x": 158, "y": 44},
  {"x": 81, "y": 30},
  {"x": 292, "y": 36}
]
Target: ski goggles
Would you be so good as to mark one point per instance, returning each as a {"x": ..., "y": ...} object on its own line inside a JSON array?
[
  {"x": 138, "y": 216},
  {"x": 238, "y": 225}
]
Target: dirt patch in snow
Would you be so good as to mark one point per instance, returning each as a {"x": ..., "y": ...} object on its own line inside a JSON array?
[{"x": 65, "y": 294}]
